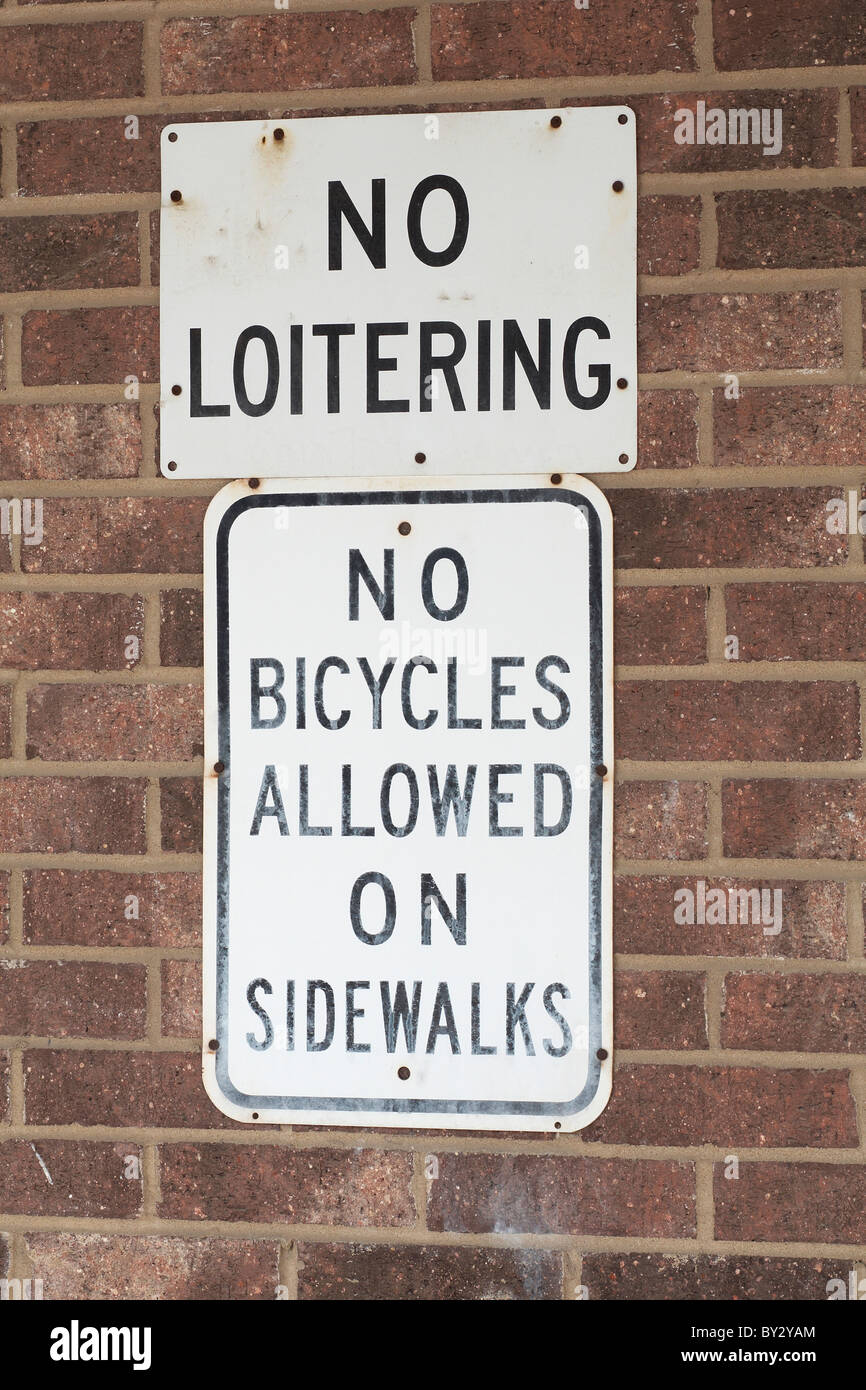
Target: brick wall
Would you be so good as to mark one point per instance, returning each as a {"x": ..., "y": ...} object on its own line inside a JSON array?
[{"x": 730, "y": 1162}]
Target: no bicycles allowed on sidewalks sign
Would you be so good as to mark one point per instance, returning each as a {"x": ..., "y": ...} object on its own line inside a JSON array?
[{"x": 408, "y": 808}]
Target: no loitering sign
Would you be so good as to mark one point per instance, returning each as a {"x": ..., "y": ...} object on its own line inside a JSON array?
[
  {"x": 407, "y": 809},
  {"x": 453, "y": 292}
]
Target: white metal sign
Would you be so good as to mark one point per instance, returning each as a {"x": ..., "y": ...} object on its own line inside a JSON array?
[
  {"x": 377, "y": 295},
  {"x": 407, "y": 808}
]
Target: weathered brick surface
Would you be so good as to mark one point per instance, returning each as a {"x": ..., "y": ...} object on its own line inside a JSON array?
[
  {"x": 667, "y": 435},
  {"x": 772, "y": 819},
  {"x": 61, "y": 1177},
  {"x": 61, "y": 253},
  {"x": 808, "y": 128},
  {"x": 795, "y": 1013},
  {"x": 823, "y": 1202},
  {"x": 789, "y": 426},
  {"x": 181, "y": 799},
  {"x": 154, "y": 722},
  {"x": 237, "y": 1182},
  {"x": 279, "y": 51},
  {"x": 180, "y": 627},
  {"x": 770, "y": 229},
  {"x": 93, "y": 908},
  {"x": 682, "y": 529},
  {"x": 4, "y": 909},
  {"x": 711, "y": 1278},
  {"x": 5, "y": 1102},
  {"x": 583, "y": 1196},
  {"x": 5, "y": 721},
  {"x": 801, "y": 33},
  {"x": 659, "y": 1009},
  {"x": 181, "y": 998},
  {"x": 70, "y": 441},
  {"x": 105, "y": 1268},
  {"x": 754, "y": 1106},
  {"x": 73, "y": 999},
  {"x": 713, "y": 720},
  {"x": 858, "y": 124},
  {"x": 108, "y": 535},
  {"x": 539, "y": 38},
  {"x": 660, "y": 626},
  {"x": 797, "y": 622},
  {"x": 87, "y": 815},
  {"x": 661, "y": 820},
  {"x": 71, "y": 62},
  {"x": 426, "y": 1273},
  {"x": 668, "y": 236},
  {"x": 161, "y": 1089},
  {"x": 68, "y": 631},
  {"x": 80, "y": 347},
  {"x": 814, "y": 922},
  {"x": 739, "y": 332}
]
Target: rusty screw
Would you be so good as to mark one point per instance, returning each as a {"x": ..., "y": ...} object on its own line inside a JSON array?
[{"x": 176, "y": 195}]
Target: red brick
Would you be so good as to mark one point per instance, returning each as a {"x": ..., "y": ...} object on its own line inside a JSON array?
[
  {"x": 4, "y": 919},
  {"x": 239, "y": 1182},
  {"x": 59, "y": 1177},
  {"x": 61, "y": 253},
  {"x": 70, "y": 441},
  {"x": 506, "y": 1194},
  {"x": 426, "y": 1273},
  {"x": 661, "y": 820},
  {"x": 5, "y": 721},
  {"x": 81, "y": 347},
  {"x": 5, "y": 1103},
  {"x": 753, "y": 1106},
  {"x": 668, "y": 235},
  {"x": 814, "y": 920},
  {"x": 802, "y": 228},
  {"x": 710, "y": 721},
  {"x": 91, "y": 907},
  {"x": 154, "y": 247},
  {"x": 69, "y": 631},
  {"x": 666, "y": 528},
  {"x": 161, "y": 723},
  {"x": 181, "y": 999},
  {"x": 541, "y": 38},
  {"x": 181, "y": 800},
  {"x": 823, "y": 1202},
  {"x": 71, "y": 62},
  {"x": 797, "y": 622},
  {"x": 801, "y": 33},
  {"x": 278, "y": 52},
  {"x": 858, "y": 125},
  {"x": 85, "y": 815},
  {"x": 107, "y": 1268},
  {"x": 667, "y": 431},
  {"x": 4, "y": 1257},
  {"x": 809, "y": 120},
  {"x": 725, "y": 1278},
  {"x": 116, "y": 535},
  {"x": 660, "y": 626},
  {"x": 660, "y": 1009},
  {"x": 123, "y": 1089},
  {"x": 180, "y": 630},
  {"x": 73, "y": 999},
  {"x": 739, "y": 332},
  {"x": 773, "y": 819},
  {"x": 795, "y": 1013},
  {"x": 788, "y": 426}
]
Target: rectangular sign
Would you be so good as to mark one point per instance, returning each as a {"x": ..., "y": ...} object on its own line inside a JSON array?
[
  {"x": 381, "y": 295},
  {"x": 408, "y": 757}
]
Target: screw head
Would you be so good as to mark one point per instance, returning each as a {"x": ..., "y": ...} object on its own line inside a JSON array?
[
  {"x": 176, "y": 195},
  {"x": 404, "y": 528},
  {"x": 617, "y": 185},
  {"x": 556, "y": 122}
]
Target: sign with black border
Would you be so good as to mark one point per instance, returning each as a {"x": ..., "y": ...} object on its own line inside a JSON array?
[{"x": 332, "y": 877}]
